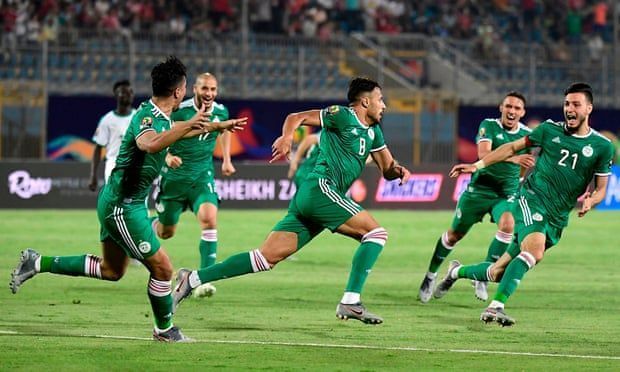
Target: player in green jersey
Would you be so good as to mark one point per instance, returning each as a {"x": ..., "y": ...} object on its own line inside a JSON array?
[
  {"x": 308, "y": 149},
  {"x": 348, "y": 136},
  {"x": 571, "y": 155},
  {"x": 490, "y": 191},
  {"x": 125, "y": 227},
  {"x": 187, "y": 180}
]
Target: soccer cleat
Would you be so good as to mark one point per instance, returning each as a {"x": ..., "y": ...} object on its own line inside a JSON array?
[
  {"x": 174, "y": 334},
  {"x": 25, "y": 269},
  {"x": 357, "y": 311},
  {"x": 204, "y": 290},
  {"x": 426, "y": 288},
  {"x": 182, "y": 289},
  {"x": 497, "y": 314},
  {"x": 481, "y": 290},
  {"x": 447, "y": 282}
]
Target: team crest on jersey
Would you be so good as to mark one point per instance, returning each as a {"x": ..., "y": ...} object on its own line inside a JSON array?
[
  {"x": 333, "y": 109},
  {"x": 144, "y": 247},
  {"x": 587, "y": 151},
  {"x": 371, "y": 133},
  {"x": 537, "y": 217},
  {"x": 147, "y": 122}
]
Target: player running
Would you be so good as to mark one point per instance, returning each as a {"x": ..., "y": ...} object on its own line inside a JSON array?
[
  {"x": 187, "y": 180},
  {"x": 348, "y": 136},
  {"x": 571, "y": 155},
  {"x": 490, "y": 191}
]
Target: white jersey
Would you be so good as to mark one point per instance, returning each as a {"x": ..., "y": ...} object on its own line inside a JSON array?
[{"x": 109, "y": 134}]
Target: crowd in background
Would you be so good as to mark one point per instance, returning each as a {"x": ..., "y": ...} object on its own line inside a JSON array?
[{"x": 487, "y": 20}]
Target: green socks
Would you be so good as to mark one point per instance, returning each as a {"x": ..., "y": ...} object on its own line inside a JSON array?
[
  {"x": 208, "y": 247},
  {"x": 85, "y": 265},
  {"x": 442, "y": 250},
  {"x": 498, "y": 246},
  {"x": 475, "y": 272},
  {"x": 161, "y": 302},
  {"x": 512, "y": 276},
  {"x": 363, "y": 261},
  {"x": 239, "y": 264}
]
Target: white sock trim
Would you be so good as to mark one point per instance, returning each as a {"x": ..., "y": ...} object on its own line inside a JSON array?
[
  {"x": 496, "y": 304},
  {"x": 444, "y": 241},
  {"x": 504, "y": 237},
  {"x": 194, "y": 279},
  {"x": 378, "y": 235},
  {"x": 159, "y": 288},
  {"x": 431, "y": 275},
  {"x": 37, "y": 264},
  {"x": 258, "y": 261},
  {"x": 209, "y": 235},
  {"x": 350, "y": 298},
  {"x": 528, "y": 258},
  {"x": 158, "y": 331},
  {"x": 92, "y": 266}
]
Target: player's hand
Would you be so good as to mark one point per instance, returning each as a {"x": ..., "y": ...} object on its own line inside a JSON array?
[
  {"x": 228, "y": 169},
  {"x": 292, "y": 169},
  {"x": 462, "y": 168},
  {"x": 92, "y": 185},
  {"x": 281, "y": 148},
  {"x": 586, "y": 205},
  {"x": 173, "y": 161},
  {"x": 233, "y": 125},
  {"x": 526, "y": 160},
  {"x": 404, "y": 175},
  {"x": 200, "y": 120}
]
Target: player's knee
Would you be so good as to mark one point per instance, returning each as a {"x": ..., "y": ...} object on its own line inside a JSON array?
[
  {"x": 378, "y": 235},
  {"x": 495, "y": 273},
  {"x": 113, "y": 275},
  {"x": 452, "y": 237},
  {"x": 165, "y": 233}
]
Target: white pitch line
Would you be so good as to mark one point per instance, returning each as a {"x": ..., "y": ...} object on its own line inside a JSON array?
[{"x": 339, "y": 346}]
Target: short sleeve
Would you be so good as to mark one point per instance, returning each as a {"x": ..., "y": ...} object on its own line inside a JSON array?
[
  {"x": 378, "y": 142},
  {"x": 146, "y": 124},
  {"x": 536, "y": 137},
  {"x": 102, "y": 133},
  {"x": 331, "y": 117},
  {"x": 484, "y": 134},
  {"x": 603, "y": 166}
]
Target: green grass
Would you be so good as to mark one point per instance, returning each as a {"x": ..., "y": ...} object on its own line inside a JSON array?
[{"x": 285, "y": 319}]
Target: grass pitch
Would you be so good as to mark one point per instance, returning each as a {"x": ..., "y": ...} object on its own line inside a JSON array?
[{"x": 566, "y": 308}]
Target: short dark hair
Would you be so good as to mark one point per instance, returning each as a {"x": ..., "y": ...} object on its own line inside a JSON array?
[
  {"x": 121, "y": 83},
  {"x": 360, "y": 85},
  {"x": 581, "y": 88},
  {"x": 166, "y": 76},
  {"x": 516, "y": 94}
]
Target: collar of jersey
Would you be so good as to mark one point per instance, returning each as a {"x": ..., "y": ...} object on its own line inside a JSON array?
[
  {"x": 515, "y": 131},
  {"x": 358, "y": 119},
  {"x": 578, "y": 136},
  {"x": 157, "y": 111}
]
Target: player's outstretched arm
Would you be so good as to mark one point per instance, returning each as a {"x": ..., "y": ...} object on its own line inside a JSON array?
[
  {"x": 151, "y": 141},
  {"x": 281, "y": 147},
  {"x": 390, "y": 168},
  {"x": 593, "y": 198},
  {"x": 501, "y": 153}
]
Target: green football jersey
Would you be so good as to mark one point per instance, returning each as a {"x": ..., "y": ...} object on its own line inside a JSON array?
[
  {"x": 501, "y": 179},
  {"x": 565, "y": 166},
  {"x": 195, "y": 152},
  {"x": 345, "y": 145},
  {"x": 135, "y": 169}
]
